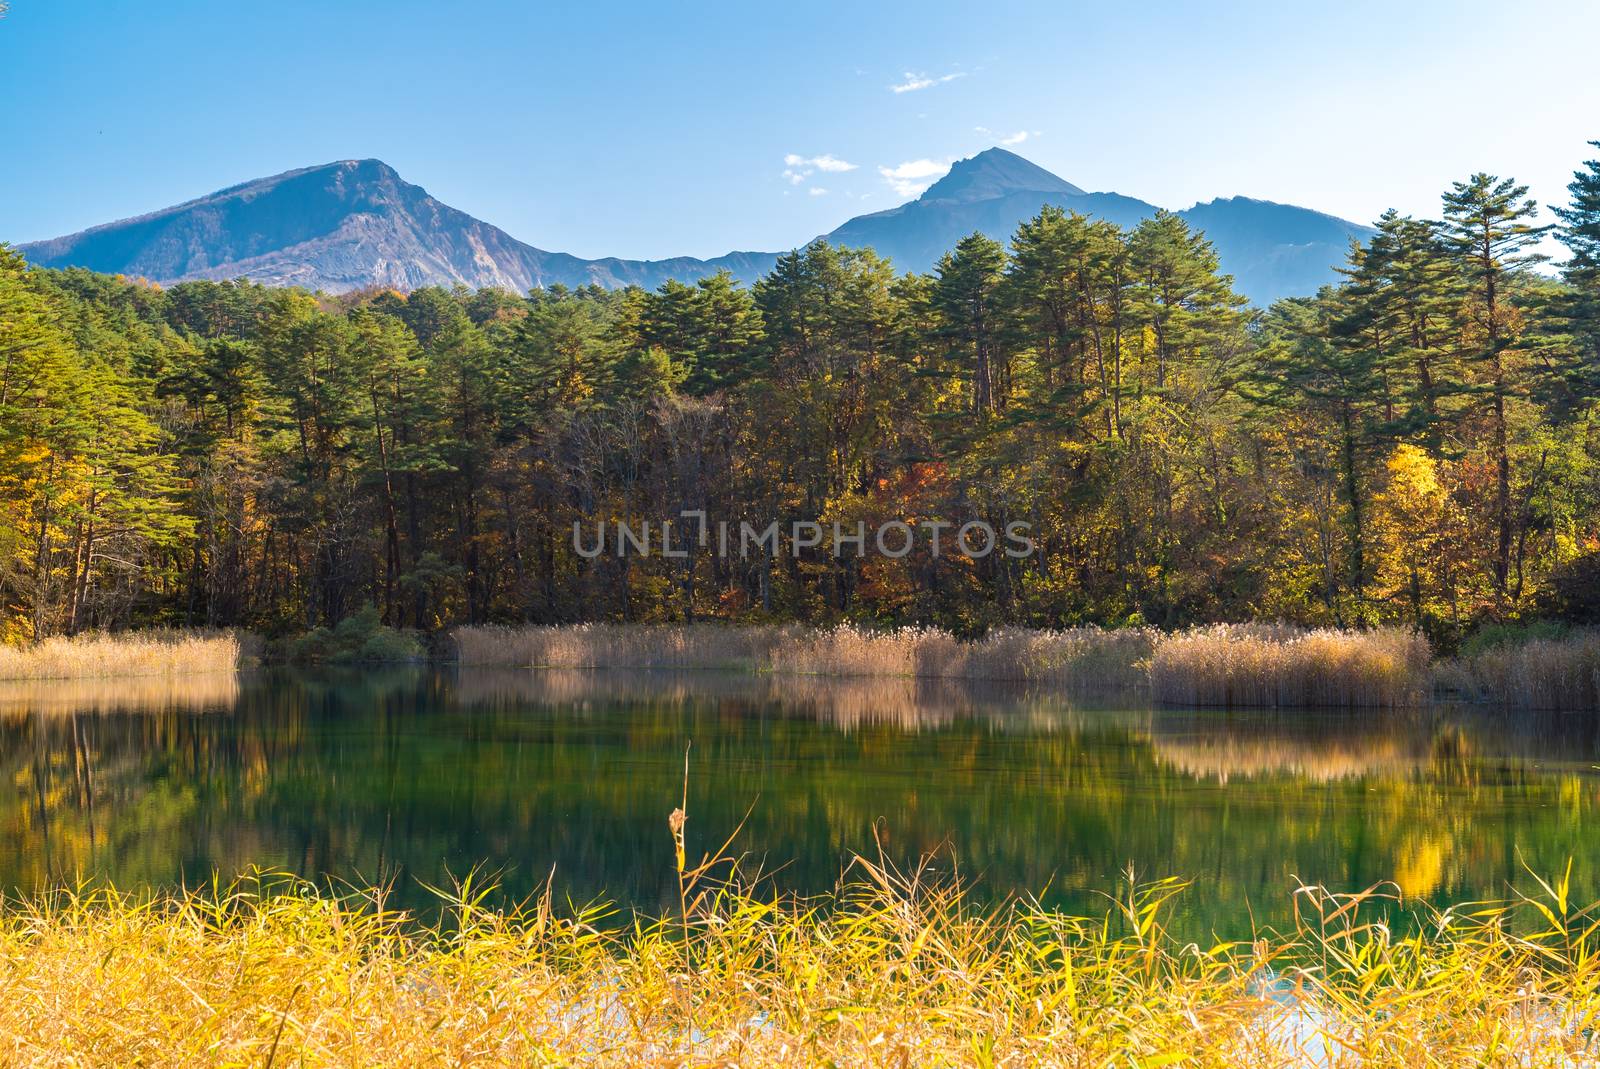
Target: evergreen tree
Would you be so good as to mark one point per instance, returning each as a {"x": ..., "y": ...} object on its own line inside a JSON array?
[
  {"x": 966, "y": 296},
  {"x": 1580, "y": 306},
  {"x": 1487, "y": 224}
]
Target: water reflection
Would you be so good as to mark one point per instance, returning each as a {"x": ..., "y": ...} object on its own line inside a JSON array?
[
  {"x": 146, "y": 694},
  {"x": 1335, "y": 745},
  {"x": 412, "y": 775},
  {"x": 910, "y": 704}
]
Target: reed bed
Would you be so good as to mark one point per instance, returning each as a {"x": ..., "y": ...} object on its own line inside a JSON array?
[
  {"x": 1561, "y": 674},
  {"x": 889, "y": 971},
  {"x": 691, "y": 646},
  {"x": 1229, "y": 665},
  {"x": 1084, "y": 657},
  {"x": 99, "y": 655},
  {"x": 1279, "y": 666},
  {"x": 1081, "y": 656},
  {"x": 1077, "y": 657},
  {"x": 851, "y": 651}
]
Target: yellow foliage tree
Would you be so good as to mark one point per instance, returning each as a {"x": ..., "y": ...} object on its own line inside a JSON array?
[{"x": 1413, "y": 519}]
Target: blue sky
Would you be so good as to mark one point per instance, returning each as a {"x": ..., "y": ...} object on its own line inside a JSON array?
[{"x": 649, "y": 130}]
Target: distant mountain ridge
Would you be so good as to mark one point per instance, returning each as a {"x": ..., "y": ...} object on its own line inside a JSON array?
[
  {"x": 355, "y": 224},
  {"x": 345, "y": 226}
]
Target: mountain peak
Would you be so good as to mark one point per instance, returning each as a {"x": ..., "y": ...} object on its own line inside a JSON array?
[
  {"x": 370, "y": 170},
  {"x": 356, "y": 223},
  {"x": 994, "y": 172}
]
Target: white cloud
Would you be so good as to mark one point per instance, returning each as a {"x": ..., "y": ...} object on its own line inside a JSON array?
[
  {"x": 798, "y": 168},
  {"x": 914, "y": 81},
  {"x": 817, "y": 191},
  {"x": 913, "y": 176},
  {"x": 1015, "y": 139},
  {"x": 824, "y": 162}
]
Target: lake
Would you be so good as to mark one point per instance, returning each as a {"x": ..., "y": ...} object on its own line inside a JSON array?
[{"x": 410, "y": 776}]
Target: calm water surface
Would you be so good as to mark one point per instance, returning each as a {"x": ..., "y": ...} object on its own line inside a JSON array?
[{"x": 411, "y": 776}]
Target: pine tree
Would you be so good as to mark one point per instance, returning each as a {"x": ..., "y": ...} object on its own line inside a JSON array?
[
  {"x": 966, "y": 297},
  {"x": 1312, "y": 362},
  {"x": 1407, "y": 291},
  {"x": 1487, "y": 224},
  {"x": 1190, "y": 305},
  {"x": 1580, "y": 233},
  {"x": 38, "y": 383},
  {"x": 1066, "y": 296}
]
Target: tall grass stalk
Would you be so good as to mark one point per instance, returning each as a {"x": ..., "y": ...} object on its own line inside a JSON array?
[
  {"x": 140, "y": 653},
  {"x": 1556, "y": 673},
  {"x": 1081, "y": 656},
  {"x": 891, "y": 970},
  {"x": 1274, "y": 665},
  {"x": 694, "y": 646},
  {"x": 1242, "y": 665}
]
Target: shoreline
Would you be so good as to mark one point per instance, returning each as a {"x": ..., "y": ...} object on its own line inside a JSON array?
[{"x": 1215, "y": 666}]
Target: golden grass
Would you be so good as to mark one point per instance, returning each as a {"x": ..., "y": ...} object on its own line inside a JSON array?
[
  {"x": 1278, "y": 666},
  {"x": 1239, "y": 665},
  {"x": 1077, "y": 657},
  {"x": 1561, "y": 674},
  {"x": 141, "y": 653},
  {"x": 1087, "y": 657},
  {"x": 889, "y": 971},
  {"x": 694, "y": 646},
  {"x": 851, "y": 651}
]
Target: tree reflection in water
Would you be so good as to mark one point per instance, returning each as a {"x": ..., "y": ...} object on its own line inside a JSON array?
[{"x": 411, "y": 775}]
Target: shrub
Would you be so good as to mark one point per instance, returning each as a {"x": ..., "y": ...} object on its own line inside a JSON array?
[{"x": 359, "y": 638}]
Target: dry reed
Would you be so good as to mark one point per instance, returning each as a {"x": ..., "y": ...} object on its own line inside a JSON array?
[
  {"x": 1075, "y": 657},
  {"x": 693, "y": 646},
  {"x": 1561, "y": 674},
  {"x": 1280, "y": 666},
  {"x": 100, "y": 655},
  {"x": 890, "y": 971},
  {"x": 1240, "y": 665}
]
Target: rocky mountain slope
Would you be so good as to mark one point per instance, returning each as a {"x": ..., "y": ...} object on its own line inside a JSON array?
[{"x": 357, "y": 223}]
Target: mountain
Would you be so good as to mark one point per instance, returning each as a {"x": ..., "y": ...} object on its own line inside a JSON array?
[
  {"x": 357, "y": 223},
  {"x": 1275, "y": 250},
  {"x": 992, "y": 192},
  {"x": 995, "y": 173},
  {"x": 346, "y": 226},
  {"x": 1272, "y": 250}
]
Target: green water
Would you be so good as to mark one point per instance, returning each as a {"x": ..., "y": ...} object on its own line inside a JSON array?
[{"x": 412, "y": 776}]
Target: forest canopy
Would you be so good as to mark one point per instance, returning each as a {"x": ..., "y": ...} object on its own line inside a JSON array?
[{"x": 1416, "y": 444}]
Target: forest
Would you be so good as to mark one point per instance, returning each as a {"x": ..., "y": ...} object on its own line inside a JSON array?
[{"x": 1415, "y": 445}]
